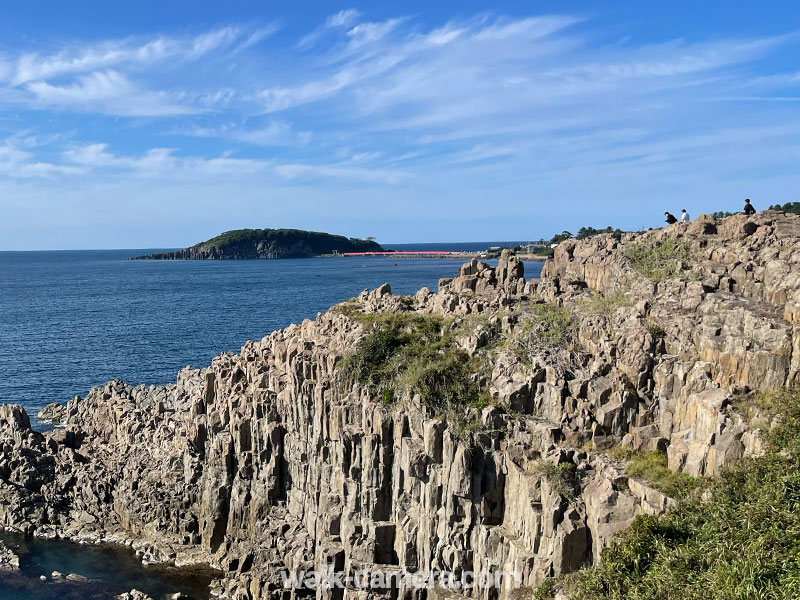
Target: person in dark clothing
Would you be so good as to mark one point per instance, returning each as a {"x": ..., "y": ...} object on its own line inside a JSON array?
[
  {"x": 748, "y": 208},
  {"x": 670, "y": 218}
]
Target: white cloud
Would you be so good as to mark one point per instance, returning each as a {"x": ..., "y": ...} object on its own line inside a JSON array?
[
  {"x": 76, "y": 59},
  {"x": 298, "y": 171},
  {"x": 109, "y": 92},
  {"x": 164, "y": 163},
  {"x": 17, "y": 163},
  {"x": 344, "y": 18},
  {"x": 273, "y": 133}
]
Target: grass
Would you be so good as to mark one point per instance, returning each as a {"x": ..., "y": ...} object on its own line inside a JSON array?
[
  {"x": 667, "y": 259},
  {"x": 541, "y": 328},
  {"x": 407, "y": 354},
  {"x": 605, "y": 305},
  {"x": 652, "y": 467},
  {"x": 739, "y": 540}
]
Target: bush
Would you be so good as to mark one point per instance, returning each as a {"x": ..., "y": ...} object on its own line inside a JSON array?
[
  {"x": 739, "y": 540},
  {"x": 563, "y": 477},
  {"x": 667, "y": 259},
  {"x": 411, "y": 353}
]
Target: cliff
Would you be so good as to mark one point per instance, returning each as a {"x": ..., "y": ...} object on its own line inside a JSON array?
[
  {"x": 331, "y": 443},
  {"x": 268, "y": 243}
]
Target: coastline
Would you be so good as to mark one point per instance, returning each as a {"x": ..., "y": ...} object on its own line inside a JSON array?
[{"x": 278, "y": 430}]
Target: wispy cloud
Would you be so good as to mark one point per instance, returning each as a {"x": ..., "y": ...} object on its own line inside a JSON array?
[
  {"x": 109, "y": 92},
  {"x": 344, "y": 18},
  {"x": 164, "y": 162},
  {"x": 77, "y": 58}
]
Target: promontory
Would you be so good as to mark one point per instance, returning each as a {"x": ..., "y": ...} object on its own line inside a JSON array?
[{"x": 268, "y": 243}]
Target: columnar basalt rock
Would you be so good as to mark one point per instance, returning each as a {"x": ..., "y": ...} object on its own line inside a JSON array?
[{"x": 269, "y": 460}]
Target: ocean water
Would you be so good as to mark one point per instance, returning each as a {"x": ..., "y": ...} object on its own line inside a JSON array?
[
  {"x": 75, "y": 319},
  {"x": 110, "y": 570}
]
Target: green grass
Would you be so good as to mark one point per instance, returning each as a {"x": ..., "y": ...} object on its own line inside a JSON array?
[
  {"x": 667, "y": 259},
  {"x": 407, "y": 354},
  {"x": 652, "y": 467},
  {"x": 738, "y": 540}
]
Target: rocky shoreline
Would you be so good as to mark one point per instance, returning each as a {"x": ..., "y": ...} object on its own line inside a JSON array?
[{"x": 271, "y": 460}]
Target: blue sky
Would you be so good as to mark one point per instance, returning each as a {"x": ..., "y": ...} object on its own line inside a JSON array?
[{"x": 159, "y": 124}]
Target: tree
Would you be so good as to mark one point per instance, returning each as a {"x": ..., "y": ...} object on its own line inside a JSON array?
[{"x": 789, "y": 207}]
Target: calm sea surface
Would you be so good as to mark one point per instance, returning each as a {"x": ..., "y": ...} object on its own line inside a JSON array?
[{"x": 75, "y": 319}]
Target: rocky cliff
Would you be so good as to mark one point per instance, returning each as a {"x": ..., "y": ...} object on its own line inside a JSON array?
[
  {"x": 268, "y": 243},
  {"x": 280, "y": 458}
]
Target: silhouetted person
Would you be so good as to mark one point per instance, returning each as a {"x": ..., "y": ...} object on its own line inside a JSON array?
[
  {"x": 748, "y": 208},
  {"x": 670, "y": 218},
  {"x": 685, "y": 219}
]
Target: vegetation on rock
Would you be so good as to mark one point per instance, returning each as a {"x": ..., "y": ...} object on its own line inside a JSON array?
[
  {"x": 664, "y": 260},
  {"x": 408, "y": 354},
  {"x": 543, "y": 328},
  {"x": 652, "y": 467},
  {"x": 739, "y": 539}
]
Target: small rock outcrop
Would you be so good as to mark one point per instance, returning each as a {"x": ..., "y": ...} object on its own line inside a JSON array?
[
  {"x": 133, "y": 595},
  {"x": 271, "y": 461},
  {"x": 54, "y": 413},
  {"x": 9, "y": 561}
]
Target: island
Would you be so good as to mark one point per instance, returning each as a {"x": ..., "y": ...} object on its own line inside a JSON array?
[{"x": 268, "y": 243}]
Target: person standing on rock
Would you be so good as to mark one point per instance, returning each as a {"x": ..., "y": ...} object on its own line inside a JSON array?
[
  {"x": 670, "y": 218},
  {"x": 685, "y": 219},
  {"x": 748, "y": 208}
]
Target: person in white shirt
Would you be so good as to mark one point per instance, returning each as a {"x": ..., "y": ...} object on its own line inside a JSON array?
[{"x": 685, "y": 217}]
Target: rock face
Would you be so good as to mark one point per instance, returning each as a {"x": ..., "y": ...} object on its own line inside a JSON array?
[
  {"x": 268, "y": 243},
  {"x": 269, "y": 460}
]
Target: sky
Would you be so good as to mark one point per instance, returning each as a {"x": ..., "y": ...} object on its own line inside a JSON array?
[{"x": 160, "y": 124}]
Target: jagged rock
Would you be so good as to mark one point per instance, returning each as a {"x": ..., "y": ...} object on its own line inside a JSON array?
[
  {"x": 133, "y": 595},
  {"x": 268, "y": 460},
  {"x": 54, "y": 413},
  {"x": 9, "y": 561}
]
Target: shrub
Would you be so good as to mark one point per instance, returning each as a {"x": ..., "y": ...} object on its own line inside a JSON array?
[
  {"x": 739, "y": 540},
  {"x": 667, "y": 259},
  {"x": 652, "y": 467},
  {"x": 563, "y": 477}
]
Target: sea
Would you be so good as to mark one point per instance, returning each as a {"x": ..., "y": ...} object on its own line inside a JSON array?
[{"x": 71, "y": 320}]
